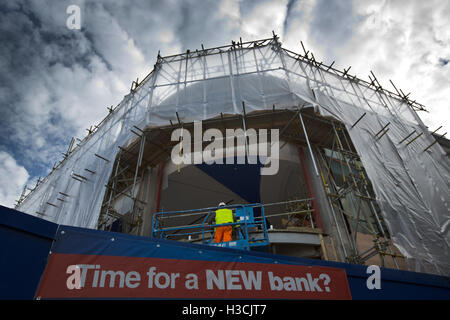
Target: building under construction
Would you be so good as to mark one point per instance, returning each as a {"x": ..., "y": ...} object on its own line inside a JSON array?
[{"x": 359, "y": 179}]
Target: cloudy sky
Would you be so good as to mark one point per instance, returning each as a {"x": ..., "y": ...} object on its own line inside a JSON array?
[{"x": 56, "y": 82}]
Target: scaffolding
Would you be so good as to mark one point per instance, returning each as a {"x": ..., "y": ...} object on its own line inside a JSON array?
[
  {"x": 360, "y": 139},
  {"x": 329, "y": 143},
  {"x": 354, "y": 185}
]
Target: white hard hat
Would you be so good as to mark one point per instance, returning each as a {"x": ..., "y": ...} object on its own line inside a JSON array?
[{"x": 222, "y": 204}]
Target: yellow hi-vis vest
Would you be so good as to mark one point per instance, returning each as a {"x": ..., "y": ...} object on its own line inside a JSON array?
[{"x": 224, "y": 216}]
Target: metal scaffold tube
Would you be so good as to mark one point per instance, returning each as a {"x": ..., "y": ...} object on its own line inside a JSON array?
[
  {"x": 309, "y": 144},
  {"x": 361, "y": 194},
  {"x": 338, "y": 228},
  {"x": 373, "y": 209}
]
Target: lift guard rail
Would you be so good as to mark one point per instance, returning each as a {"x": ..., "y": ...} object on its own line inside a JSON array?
[
  {"x": 250, "y": 226},
  {"x": 250, "y": 229}
]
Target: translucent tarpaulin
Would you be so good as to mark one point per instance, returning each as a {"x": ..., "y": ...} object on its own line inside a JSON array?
[{"x": 411, "y": 185}]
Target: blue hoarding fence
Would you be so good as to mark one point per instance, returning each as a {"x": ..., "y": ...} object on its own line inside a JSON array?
[{"x": 27, "y": 241}]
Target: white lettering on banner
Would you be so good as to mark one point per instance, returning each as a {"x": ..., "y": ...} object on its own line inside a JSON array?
[
  {"x": 161, "y": 279},
  {"x": 326, "y": 280},
  {"x": 90, "y": 275},
  {"x": 112, "y": 278},
  {"x": 191, "y": 281},
  {"x": 77, "y": 280},
  {"x": 231, "y": 279},
  {"x": 84, "y": 270},
  {"x": 299, "y": 283}
]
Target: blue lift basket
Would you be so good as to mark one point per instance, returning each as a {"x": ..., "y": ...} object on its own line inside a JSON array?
[{"x": 197, "y": 225}]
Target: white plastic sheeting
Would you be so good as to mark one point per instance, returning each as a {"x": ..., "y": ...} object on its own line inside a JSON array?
[{"x": 411, "y": 186}]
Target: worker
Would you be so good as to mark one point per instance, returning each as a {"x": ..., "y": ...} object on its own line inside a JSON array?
[{"x": 223, "y": 216}]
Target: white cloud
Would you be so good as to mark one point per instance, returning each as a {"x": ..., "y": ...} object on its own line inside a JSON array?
[
  {"x": 230, "y": 9},
  {"x": 263, "y": 19},
  {"x": 298, "y": 28},
  {"x": 403, "y": 41},
  {"x": 13, "y": 177},
  {"x": 407, "y": 42}
]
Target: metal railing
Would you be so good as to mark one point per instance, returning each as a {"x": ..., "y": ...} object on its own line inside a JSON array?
[{"x": 250, "y": 229}]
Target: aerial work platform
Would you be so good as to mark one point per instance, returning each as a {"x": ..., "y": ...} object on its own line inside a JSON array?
[{"x": 250, "y": 228}]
